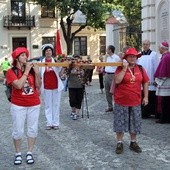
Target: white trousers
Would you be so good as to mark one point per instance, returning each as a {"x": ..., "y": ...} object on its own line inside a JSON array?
[
  {"x": 52, "y": 100},
  {"x": 20, "y": 115}
]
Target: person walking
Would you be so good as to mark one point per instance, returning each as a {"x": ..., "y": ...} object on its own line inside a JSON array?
[
  {"x": 127, "y": 95},
  {"x": 100, "y": 70},
  {"x": 25, "y": 102},
  {"x": 76, "y": 88},
  {"x": 149, "y": 60},
  {"x": 89, "y": 71},
  {"x": 5, "y": 65},
  {"x": 162, "y": 78},
  {"x": 109, "y": 74},
  {"x": 51, "y": 89}
]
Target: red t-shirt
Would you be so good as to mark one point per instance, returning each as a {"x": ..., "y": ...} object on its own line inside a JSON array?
[
  {"x": 50, "y": 78},
  {"x": 28, "y": 95},
  {"x": 128, "y": 93}
]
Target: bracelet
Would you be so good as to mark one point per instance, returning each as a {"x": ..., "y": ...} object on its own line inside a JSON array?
[{"x": 25, "y": 75}]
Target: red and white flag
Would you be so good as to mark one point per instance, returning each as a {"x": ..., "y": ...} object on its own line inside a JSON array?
[{"x": 58, "y": 49}]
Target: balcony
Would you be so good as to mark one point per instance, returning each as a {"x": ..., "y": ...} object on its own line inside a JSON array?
[{"x": 27, "y": 21}]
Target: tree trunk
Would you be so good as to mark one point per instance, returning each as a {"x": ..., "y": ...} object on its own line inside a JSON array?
[{"x": 69, "y": 47}]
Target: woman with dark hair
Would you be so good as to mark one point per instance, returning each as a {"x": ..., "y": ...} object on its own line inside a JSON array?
[
  {"x": 25, "y": 101},
  {"x": 51, "y": 89},
  {"x": 76, "y": 88}
]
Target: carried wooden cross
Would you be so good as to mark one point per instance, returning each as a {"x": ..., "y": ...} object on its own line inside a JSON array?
[{"x": 84, "y": 65}]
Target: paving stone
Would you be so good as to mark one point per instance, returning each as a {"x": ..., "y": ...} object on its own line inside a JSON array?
[{"x": 88, "y": 143}]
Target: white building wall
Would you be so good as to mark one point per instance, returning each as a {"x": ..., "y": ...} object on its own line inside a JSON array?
[
  {"x": 4, "y": 48},
  {"x": 112, "y": 36},
  {"x": 156, "y": 21},
  {"x": 109, "y": 34},
  {"x": 148, "y": 22}
]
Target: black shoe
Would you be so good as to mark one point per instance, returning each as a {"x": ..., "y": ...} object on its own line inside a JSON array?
[
  {"x": 135, "y": 147},
  {"x": 146, "y": 116},
  {"x": 159, "y": 121},
  {"x": 109, "y": 110},
  {"x": 119, "y": 148}
]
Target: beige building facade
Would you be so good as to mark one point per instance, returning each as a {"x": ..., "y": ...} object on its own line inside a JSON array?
[{"x": 31, "y": 25}]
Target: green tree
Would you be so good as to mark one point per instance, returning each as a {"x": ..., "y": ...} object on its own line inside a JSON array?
[
  {"x": 95, "y": 12},
  {"x": 132, "y": 11}
]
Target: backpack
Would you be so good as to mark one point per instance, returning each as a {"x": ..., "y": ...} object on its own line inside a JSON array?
[{"x": 8, "y": 89}]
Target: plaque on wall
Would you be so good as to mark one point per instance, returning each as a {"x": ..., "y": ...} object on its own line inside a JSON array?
[
  {"x": 35, "y": 46},
  {"x": 163, "y": 22}
]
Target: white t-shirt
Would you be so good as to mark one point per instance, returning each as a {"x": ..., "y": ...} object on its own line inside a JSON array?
[{"x": 113, "y": 58}]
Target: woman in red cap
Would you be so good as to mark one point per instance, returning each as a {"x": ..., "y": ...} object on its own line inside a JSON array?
[
  {"x": 25, "y": 101},
  {"x": 127, "y": 95}
]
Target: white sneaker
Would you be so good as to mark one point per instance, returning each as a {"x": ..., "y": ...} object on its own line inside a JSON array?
[
  {"x": 72, "y": 114},
  {"x": 75, "y": 117}
]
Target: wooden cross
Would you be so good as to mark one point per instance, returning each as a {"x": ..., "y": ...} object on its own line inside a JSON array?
[{"x": 84, "y": 65}]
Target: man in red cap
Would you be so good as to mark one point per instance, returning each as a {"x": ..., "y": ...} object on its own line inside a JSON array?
[{"x": 162, "y": 78}]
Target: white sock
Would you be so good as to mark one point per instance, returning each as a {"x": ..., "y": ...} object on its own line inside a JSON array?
[
  {"x": 29, "y": 153},
  {"x": 18, "y": 153},
  {"x": 133, "y": 140},
  {"x": 120, "y": 141}
]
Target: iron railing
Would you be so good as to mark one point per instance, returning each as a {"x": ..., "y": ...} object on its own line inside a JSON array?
[{"x": 17, "y": 21}]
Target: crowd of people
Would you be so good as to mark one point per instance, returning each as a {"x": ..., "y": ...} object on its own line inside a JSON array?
[{"x": 135, "y": 90}]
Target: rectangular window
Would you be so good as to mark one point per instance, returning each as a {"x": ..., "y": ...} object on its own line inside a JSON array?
[
  {"x": 47, "y": 11},
  {"x": 103, "y": 45},
  {"x": 48, "y": 40},
  {"x": 17, "y": 8},
  {"x": 80, "y": 45}
]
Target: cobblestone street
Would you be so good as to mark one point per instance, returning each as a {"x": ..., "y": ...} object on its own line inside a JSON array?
[{"x": 86, "y": 144}]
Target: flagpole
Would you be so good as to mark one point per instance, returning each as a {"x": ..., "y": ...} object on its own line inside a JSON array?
[{"x": 57, "y": 13}]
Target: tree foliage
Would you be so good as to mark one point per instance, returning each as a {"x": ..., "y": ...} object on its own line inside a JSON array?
[
  {"x": 96, "y": 11},
  {"x": 132, "y": 11}
]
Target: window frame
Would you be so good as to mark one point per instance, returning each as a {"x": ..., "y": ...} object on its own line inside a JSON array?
[
  {"x": 19, "y": 4},
  {"x": 102, "y": 49},
  {"x": 48, "y": 12},
  {"x": 80, "y": 49}
]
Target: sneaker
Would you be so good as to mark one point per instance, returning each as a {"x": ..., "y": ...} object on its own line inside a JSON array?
[
  {"x": 75, "y": 117},
  {"x": 48, "y": 128},
  {"x": 119, "y": 148},
  {"x": 72, "y": 114},
  {"x": 135, "y": 147},
  {"x": 55, "y": 127}
]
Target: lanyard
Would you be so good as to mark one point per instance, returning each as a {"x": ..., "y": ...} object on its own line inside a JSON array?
[{"x": 132, "y": 80}]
